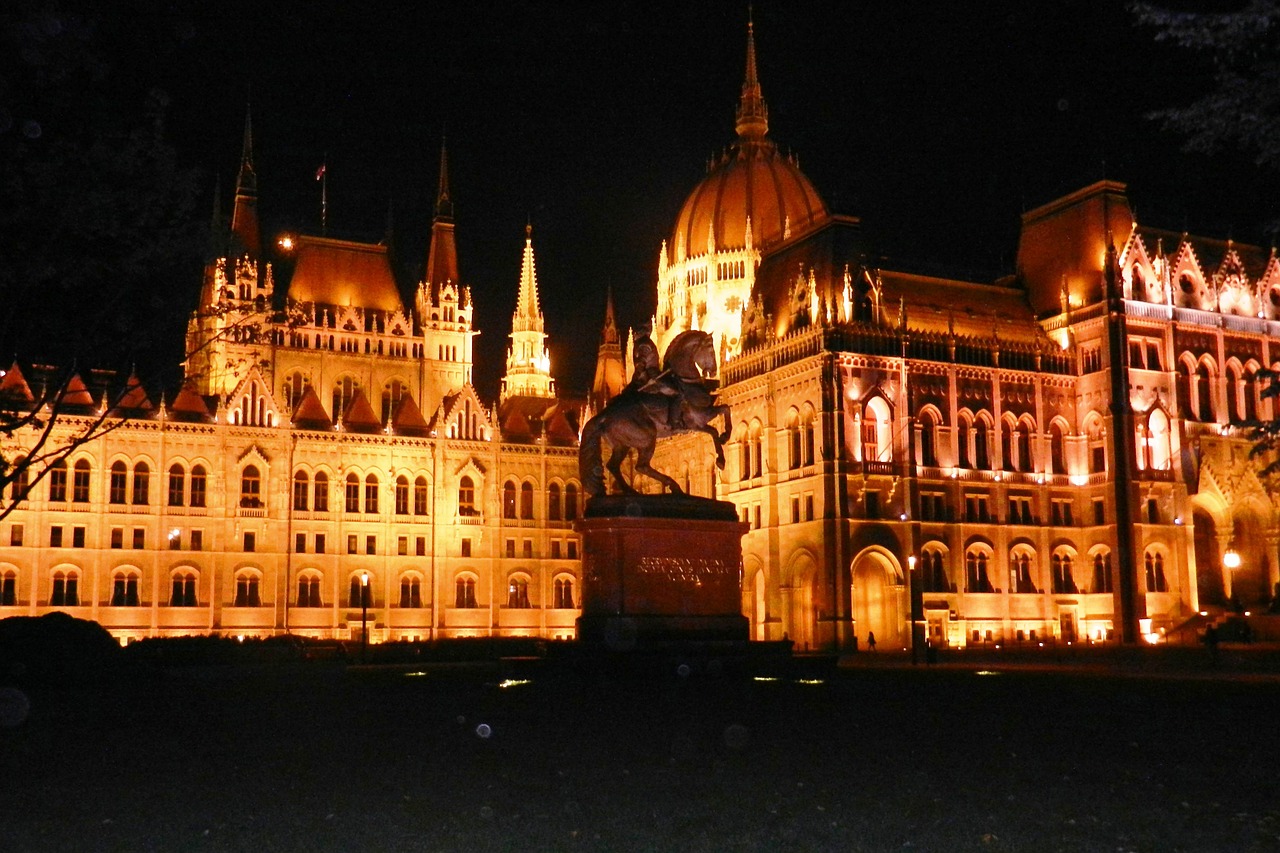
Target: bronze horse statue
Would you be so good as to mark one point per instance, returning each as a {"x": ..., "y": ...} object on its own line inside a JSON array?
[{"x": 677, "y": 400}]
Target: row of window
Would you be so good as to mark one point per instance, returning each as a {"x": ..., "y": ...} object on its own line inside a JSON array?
[
  {"x": 1062, "y": 572},
  {"x": 64, "y": 590},
  {"x": 517, "y": 502}
]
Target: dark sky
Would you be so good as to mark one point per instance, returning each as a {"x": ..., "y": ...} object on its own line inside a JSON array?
[{"x": 937, "y": 123}]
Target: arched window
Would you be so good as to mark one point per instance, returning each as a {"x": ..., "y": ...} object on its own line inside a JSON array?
[
  {"x": 1153, "y": 562},
  {"x": 183, "y": 593},
  {"x": 247, "y": 590},
  {"x": 807, "y": 435},
  {"x": 877, "y": 433},
  {"x": 66, "y": 589},
  {"x": 309, "y": 590},
  {"x": 1102, "y": 572},
  {"x": 351, "y": 493},
  {"x": 1234, "y": 413},
  {"x": 1249, "y": 391},
  {"x": 570, "y": 502},
  {"x": 80, "y": 482},
  {"x": 464, "y": 592},
  {"x": 301, "y": 490},
  {"x": 321, "y": 492},
  {"x": 976, "y": 576},
  {"x": 344, "y": 391},
  {"x": 402, "y": 495},
  {"x": 392, "y": 393},
  {"x": 1097, "y": 447},
  {"x": 1022, "y": 446},
  {"x": 198, "y": 480},
  {"x": 1204, "y": 393},
  {"x": 518, "y": 592},
  {"x": 553, "y": 502},
  {"x": 509, "y": 500},
  {"x": 933, "y": 572},
  {"x": 757, "y": 450},
  {"x": 177, "y": 484},
  {"x": 928, "y": 439},
  {"x": 1020, "y": 568},
  {"x": 8, "y": 588},
  {"x": 563, "y": 594},
  {"x": 795, "y": 442},
  {"x": 141, "y": 484},
  {"x": 294, "y": 388},
  {"x": 981, "y": 450},
  {"x": 21, "y": 479},
  {"x": 1063, "y": 580},
  {"x": 124, "y": 589},
  {"x": 1007, "y": 444},
  {"x": 1158, "y": 440},
  {"x": 744, "y": 454},
  {"x": 466, "y": 497},
  {"x": 1057, "y": 449},
  {"x": 420, "y": 496},
  {"x": 371, "y": 494},
  {"x": 410, "y": 591},
  {"x": 58, "y": 481},
  {"x": 361, "y": 591},
  {"x": 966, "y": 442},
  {"x": 526, "y": 500},
  {"x": 250, "y": 487}
]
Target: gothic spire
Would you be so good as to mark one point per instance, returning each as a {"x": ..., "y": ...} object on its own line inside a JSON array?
[
  {"x": 442, "y": 256},
  {"x": 528, "y": 363},
  {"x": 244, "y": 216},
  {"x": 444, "y": 204},
  {"x": 753, "y": 114},
  {"x": 611, "y": 370}
]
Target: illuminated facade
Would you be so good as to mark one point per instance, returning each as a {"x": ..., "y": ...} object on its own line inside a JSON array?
[
  {"x": 1055, "y": 456},
  {"x": 322, "y": 466}
]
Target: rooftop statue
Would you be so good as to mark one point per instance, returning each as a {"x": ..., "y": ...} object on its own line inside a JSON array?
[{"x": 677, "y": 398}]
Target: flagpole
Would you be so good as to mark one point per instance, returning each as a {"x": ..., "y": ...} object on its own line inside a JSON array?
[{"x": 322, "y": 175}]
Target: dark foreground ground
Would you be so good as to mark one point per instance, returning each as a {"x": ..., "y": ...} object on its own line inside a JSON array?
[{"x": 877, "y": 756}]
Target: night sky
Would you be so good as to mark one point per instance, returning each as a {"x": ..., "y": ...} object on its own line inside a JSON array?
[{"x": 937, "y": 124}]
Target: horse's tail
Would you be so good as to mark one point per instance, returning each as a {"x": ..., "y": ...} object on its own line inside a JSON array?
[{"x": 590, "y": 461}]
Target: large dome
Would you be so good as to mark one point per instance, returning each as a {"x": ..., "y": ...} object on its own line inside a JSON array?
[{"x": 754, "y": 181}]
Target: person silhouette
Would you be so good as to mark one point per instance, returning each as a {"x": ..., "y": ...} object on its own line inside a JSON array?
[{"x": 871, "y": 640}]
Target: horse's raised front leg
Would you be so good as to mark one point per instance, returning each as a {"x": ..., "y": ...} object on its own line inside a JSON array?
[{"x": 717, "y": 441}]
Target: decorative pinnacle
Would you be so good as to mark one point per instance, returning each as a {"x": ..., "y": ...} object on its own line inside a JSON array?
[{"x": 444, "y": 204}]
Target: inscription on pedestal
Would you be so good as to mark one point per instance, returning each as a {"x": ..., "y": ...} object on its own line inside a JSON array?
[{"x": 685, "y": 569}]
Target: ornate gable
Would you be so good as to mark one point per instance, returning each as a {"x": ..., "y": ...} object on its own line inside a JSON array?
[
  {"x": 252, "y": 403},
  {"x": 463, "y": 416},
  {"x": 1190, "y": 288},
  {"x": 1235, "y": 294}
]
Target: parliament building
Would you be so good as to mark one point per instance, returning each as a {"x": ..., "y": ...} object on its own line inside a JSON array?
[{"x": 1060, "y": 455}]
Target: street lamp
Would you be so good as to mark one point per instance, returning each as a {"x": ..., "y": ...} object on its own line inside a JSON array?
[
  {"x": 364, "y": 616},
  {"x": 1231, "y": 562},
  {"x": 1231, "y": 559},
  {"x": 912, "y": 591}
]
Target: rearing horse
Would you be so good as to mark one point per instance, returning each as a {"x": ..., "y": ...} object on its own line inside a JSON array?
[{"x": 638, "y": 417}]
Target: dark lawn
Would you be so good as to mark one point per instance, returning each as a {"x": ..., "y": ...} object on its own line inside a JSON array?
[{"x": 318, "y": 758}]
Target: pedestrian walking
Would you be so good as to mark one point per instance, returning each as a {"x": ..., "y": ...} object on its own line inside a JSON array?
[{"x": 871, "y": 640}]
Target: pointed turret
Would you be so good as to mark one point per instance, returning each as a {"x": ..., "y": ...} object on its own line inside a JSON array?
[
  {"x": 528, "y": 365},
  {"x": 753, "y": 114},
  {"x": 611, "y": 370},
  {"x": 442, "y": 257},
  {"x": 244, "y": 217}
]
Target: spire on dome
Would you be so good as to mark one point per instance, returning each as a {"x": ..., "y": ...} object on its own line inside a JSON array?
[
  {"x": 442, "y": 256},
  {"x": 244, "y": 217},
  {"x": 753, "y": 114}
]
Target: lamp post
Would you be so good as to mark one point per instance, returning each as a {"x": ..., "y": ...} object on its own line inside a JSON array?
[
  {"x": 364, "y": 616},
  {"x": 913, "y": 592},
  {"x": 1230, "y": 562}
]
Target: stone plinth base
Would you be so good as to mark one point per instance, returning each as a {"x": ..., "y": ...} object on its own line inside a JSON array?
[{"x": 661, "y": 570}]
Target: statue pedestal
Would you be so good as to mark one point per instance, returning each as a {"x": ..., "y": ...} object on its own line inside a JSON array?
[{"x": 660, "y": 571}]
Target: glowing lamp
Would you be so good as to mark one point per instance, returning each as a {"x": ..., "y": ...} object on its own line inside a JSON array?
[{"x": 1231, "y": 559}]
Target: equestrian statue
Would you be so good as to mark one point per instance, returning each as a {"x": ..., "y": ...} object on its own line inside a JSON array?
[{"x": 676, "y": 398}]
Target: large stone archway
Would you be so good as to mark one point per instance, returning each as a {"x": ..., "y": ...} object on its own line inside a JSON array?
[
  {"x": 1209, "y": 585},
  {"x": 1250, "y": 583},
  {"x": 798, "y": 616},
  {"x": 877, "y": 598}
]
